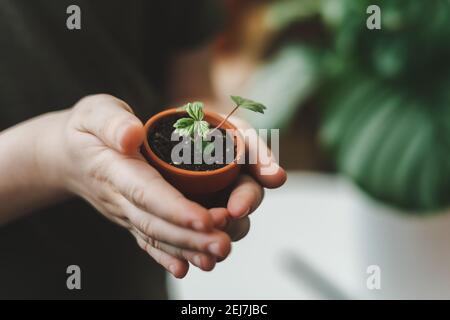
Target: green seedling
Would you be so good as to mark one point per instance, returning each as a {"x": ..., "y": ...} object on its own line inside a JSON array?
[{"x": 195, "y": 127}]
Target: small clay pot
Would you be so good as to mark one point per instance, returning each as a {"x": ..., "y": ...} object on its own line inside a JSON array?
[{"x": 196, "y": 182}]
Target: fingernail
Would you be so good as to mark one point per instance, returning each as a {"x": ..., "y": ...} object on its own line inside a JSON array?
[
  {"x": 214, "y": 248},
  {"x": 198, "y": 225},
  {"x": 197, "y": 260},
  {"x": 246, "y": 212},
  {"x": 173, "y": 269},
  {"x": 241, "y": 215},
  {"x": 224, "y": 223}
]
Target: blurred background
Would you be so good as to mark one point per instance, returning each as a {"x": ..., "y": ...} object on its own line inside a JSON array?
[{"x": 365, "y": 132}]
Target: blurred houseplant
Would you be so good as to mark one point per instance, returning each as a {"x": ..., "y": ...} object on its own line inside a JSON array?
[
  {"x": 385, "y": 118},
  {"x": 386, "y": 123}
]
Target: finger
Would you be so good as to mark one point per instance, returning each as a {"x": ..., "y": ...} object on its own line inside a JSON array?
[
  {"x": 266, "y": 169},
  {"x": 238, "y": 229},
  {"x": 198, "y": 259},
  {"x": 143, "y": 186},
  {"x": 177, "y": 267},
  {"x": 219, "y": 217},
  {"x": 215, "y": 242},
  {"x": 112, "y": 121},
  {"x": 245, "y": 198}
]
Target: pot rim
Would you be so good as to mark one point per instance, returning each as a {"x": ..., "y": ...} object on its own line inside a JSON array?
[{"x": 208, "y": 114}]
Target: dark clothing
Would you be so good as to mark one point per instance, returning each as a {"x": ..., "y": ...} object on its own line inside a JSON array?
[{"x": 122, "y": 49}]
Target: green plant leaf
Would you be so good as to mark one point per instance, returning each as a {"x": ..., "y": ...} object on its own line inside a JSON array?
[
  {"x": 195, "y": 110},
  {"x": 208, "y": 147},
  {"x": 201, "y": 128},
  {"x": 238, "y": 100},
  {"x": 187, "y": 132},
  {"x": 193, "y": 126},
  {"x": 183, "y": 123},
  {"x": 184, "y": 126},
  {"x": 249, "y": 104}
]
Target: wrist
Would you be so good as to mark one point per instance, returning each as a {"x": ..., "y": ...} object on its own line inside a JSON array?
[{"x": 49, "y": 150}]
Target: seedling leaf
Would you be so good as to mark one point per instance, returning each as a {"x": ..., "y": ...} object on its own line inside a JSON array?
[
  {"x": 193, "y": 126},
  {"x": 249, "y": 104},
  {"x": 208, "y": 147},
  {"x": 195, "y": 110}
]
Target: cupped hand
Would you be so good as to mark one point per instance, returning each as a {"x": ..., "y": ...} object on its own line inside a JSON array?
[
  {"x": 248, "y": 192},
  {"x": 96, "y": 156},
  {"x": 100, "y": 161}
]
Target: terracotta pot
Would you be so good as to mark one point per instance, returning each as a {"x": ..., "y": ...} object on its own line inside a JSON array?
[{"x": 195, "y": 182}]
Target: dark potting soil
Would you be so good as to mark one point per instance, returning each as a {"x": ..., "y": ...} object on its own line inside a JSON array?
[{"x": 159, "y": 138}]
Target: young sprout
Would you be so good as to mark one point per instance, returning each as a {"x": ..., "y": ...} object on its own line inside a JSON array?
[
  {"x": 242, "y": 103},
  {"x": 196, "y": 127}
]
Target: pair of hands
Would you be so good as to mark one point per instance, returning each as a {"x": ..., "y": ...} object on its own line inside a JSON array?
[{"x": 99, "y": 160}]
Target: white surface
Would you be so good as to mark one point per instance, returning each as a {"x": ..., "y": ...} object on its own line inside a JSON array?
[
  {"x": 311, "y": 219},
  {"x": 412, "y": 251},
  {"x": 327, "y": 224}
]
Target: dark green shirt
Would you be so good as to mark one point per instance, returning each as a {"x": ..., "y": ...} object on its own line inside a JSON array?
[{"x": 122, "y": 49}]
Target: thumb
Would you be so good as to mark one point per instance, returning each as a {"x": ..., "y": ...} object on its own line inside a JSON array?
[
  {"x": 266, "y": 169},
  {"x": 112, "y": 121}
]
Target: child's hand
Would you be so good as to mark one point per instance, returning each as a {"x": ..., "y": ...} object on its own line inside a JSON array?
[{"x": 98, "y": 159}]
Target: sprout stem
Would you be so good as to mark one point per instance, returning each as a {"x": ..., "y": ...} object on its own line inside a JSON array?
[{"x": 224, "y": 120}]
